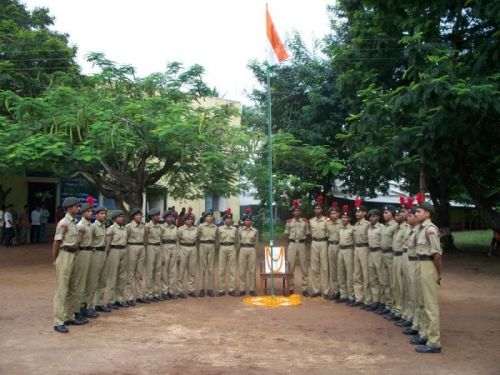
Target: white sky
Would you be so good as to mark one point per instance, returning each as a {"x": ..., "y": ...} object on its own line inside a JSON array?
[{"x": 221, "y": 35}]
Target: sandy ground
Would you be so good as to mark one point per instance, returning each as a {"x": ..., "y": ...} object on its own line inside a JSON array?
[{"x": 224, "y": 336}]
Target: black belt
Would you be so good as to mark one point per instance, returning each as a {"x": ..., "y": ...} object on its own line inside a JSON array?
[
  {"x": 333, "y": 242},
  {"x": 100, "y": 248},
  {"x": 425, "y": 257},
  {"x": 345, "y": 247},
  {"x": 69, "y": 249},
  {"x": 168, "y": 241},
  {"x": 154, "y": 243},
  {"x": 363, "y": 244},
  {"x": 86, "y": 248},
  {"x": 398, "y": 253},
  {"x": 247, "y": 245},
  {"x": 207, "y": 241},
  {"x": 188, "y": 243},
  {"x": 375, "y": 249},
  {"x": 227, "y": 243},
  {"x": 135, "y": 243},
  {"x": 119, "y": 247},
  {"x": 322, "y": 239},
  {"x": 387, "y": 250},
  {"x": 412, "y": 258},
  {"x": 297, "y": 241}
]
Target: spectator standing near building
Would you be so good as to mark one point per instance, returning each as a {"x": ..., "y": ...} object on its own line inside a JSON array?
[
  {"x": 44, "y": 220},
  {"x": 24, "y": 225},
  {"x": 35, "y": 225}
]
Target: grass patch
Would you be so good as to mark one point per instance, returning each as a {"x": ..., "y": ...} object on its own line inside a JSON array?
[{"x": 472, "y": 239}]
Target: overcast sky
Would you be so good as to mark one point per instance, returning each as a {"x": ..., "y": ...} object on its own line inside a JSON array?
[{"x": 221, "y": 35}]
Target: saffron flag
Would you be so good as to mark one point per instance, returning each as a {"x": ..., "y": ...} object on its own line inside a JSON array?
[{"x": 276, "y": 45}]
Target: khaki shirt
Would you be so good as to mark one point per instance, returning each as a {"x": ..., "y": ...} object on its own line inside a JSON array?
[
  {"x": 399, "y": 236},
  {"x": 427, "y": 238},
  {"x": 406, "y": 236},
  {"x": 318, "y": 227},
  {"x": 207, "y": 232},
  {"x": 361, "y": 232},
  {"x": 412, "y": 243},
  {"x": 85, "y": 231},
  {"x": 332, "y": 229},
  {"x": 187, "y": 235},
  {"x": 248, "y": 235},
  {"x": 374, "y": 235},
  {"x": 116, "y": 236},
  {"x": 98, "y": 234},
  {"x": 346, "y": 235},
  {"x": 387, "y": 234},
  {"x": 67, "y": 232},
  {"x": 153, "y": 231},
  {"x": 135, "y": 232},
  {"x": 297, "y": 229},
  {"x": 227, "y": 234},
  {"x": 169, "y": 232}
]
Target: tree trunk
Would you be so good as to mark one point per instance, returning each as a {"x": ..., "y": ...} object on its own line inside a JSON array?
[{"x": 4, "y": 194}]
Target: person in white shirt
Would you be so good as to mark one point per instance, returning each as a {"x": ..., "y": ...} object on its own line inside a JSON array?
[
  {"x": 44, "y": 219},
  {"x": 2, "y": 222},
  {"x": 35, "y": 225},
  {"x": 9, "y": 226}
]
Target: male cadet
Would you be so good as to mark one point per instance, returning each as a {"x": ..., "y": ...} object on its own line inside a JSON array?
[
  {"x": 345, "y": 258},
  {"x": 98, "y": 258},
  {"x": 66, "y": 242},
  {"x": 227, "y": 236},
  {"x": 407, "y": 307},
  {"x": 207, "y": 235},
  {"x": 361, "y": 278},
  {"x": 332, "y": 226},
  {"x": 375, "y": 260},
  {"x": 187, "y": 236},
  {"x": 297, "y": 231},
  {"x": 429, "y": 254},
  {"x": 387, "y": 235},
  {"x": 154, "y": 256},
  {"x": 136, "y": 254},
  {"x": 82, "y": 262},
  {"x": 248, "y": 239},
  {"x": 170, "y": 254},
  {"x": 116, "y": 244},
  {"x": 319, "y": 252}
]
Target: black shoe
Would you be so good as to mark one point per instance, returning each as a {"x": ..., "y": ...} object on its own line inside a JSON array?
[
  {"x": 341, "y": 300},
  {"x": 314, "y": 295},
  {"x": 61, "y": 328},
  {"x": 81, "y": 318},
  {"x": 356, "y": 304},
  {"x": 172, "y": 295},
  {"x": 402, "y": 323},
  {"x": 202, "y": 293},
  {"x": 335, "y": 296},
  {"x": 159, "y": 298},
  {"x": 91, "y": 313},
  {"x": 166, "y": 297},
  {"x": 326, "y": 297},
  {"x": 103, "y": 308},
  {"x": 210, "y": 293},
  {"x": 418, "y": 341},
  {"x": 181, "y": 295},
  {"x": 305, "y": 293},
  {"x": 220, "y": 294},
  {"x": 291, "y": 291},
  {"x": 123, "y": 304},
  {"x": 192, "y": 294},
  {"x": 364, "y": 306},
  {"x": 410, "y": 331},
  {"x": 142, "y": 300},
  {"x": 232, "y": 293},
  {"x": 114, "y": 305},
  {"x": 131, "y": 303},
  {"x": 372, "y": 307},
  {"x": 427, "y": 349},
  {"x": 241, "y": 294},
  {"x": 253, "y": 293}
]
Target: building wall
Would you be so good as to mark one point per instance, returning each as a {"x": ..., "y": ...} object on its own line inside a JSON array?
[{"x": 19, "y": 194}]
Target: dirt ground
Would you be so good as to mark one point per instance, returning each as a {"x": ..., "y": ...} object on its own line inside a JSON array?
[{"x": 224, "y": 336}]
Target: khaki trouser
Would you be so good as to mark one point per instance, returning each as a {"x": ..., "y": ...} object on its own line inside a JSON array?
[
  {"x": 169, "y": 269},
  {"x": 64, "y": 271},
  {"x": 96, "y": 266},
  {"x": 333, "y": 251},
  {"x": 408, "y": 293},
  {"x": 375, "y": 275},
  {"x": 188, "y": 263},
  {"x": 207, "y": 253},
  {"x": 319, "y": 267},
  {"x": 397, "y": 285},
  {"x": 361, "y": 278},
  {"x": 387, "y": 280},
  {"x": 297, "y": 254},
  {"x": 117, "y": 275},
  {"x": 429, "y": 284},
  {"x": 345, "y": 273},
  {"x": 136, "y": 259},
  {"x": 153, "y": 270},
  {"x": 227, "y": 258},
  {"x": 418, "y": 300},
  {"x": 247, "y": 266},
  {"x": 82, "y": 266},
  {"x": 102, "y": 282}
]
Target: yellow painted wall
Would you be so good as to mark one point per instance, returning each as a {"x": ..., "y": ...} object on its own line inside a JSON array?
[{"x": 19, "y": 194}]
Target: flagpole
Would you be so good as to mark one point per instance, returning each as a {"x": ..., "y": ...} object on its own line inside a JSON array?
[{"x": 270, "y": 171}]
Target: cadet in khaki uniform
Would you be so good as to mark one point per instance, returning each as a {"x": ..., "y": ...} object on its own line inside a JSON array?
[
  {"x": 170, "y": 254},
  {"x": 249, "y": 238},
  {"x": 407, "y": 303},
  {"x": 429, "y": 254},
  {"x": 66, "y": 242},
  {"x": 228, "y": 241},
  {"x": 154, "y": 256},
  {"x": 387, "y": 236},
  {"x": 116, "y": 245},
  {"x": 375, "y": 260},
  {"x": 296, "y": 232},
  {"x": 361, "y": 277},
  {"x": 319, "y": 254},
  {"x": 136, "y": 254},
  {"x": 345, "y": 258},
  {"x": 187, "y": 236},
  {"x": 82, "y": 262},
  {"x": 332, "y": 228},
  {"x": 207, "y": 235},
  {"x": 98, "y": 257}
]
